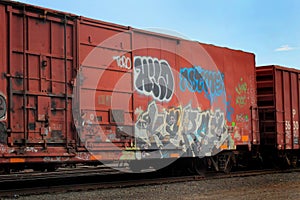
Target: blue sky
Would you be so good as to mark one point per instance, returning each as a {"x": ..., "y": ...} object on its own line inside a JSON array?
[{"x": 268, "y": 28}]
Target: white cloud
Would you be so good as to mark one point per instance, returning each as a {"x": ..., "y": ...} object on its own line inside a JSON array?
[{"x": 285, "y": 48}]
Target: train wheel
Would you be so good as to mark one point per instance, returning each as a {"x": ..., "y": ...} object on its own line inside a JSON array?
[
  {"x": 229, "y": 163},
  {"x": 223, "y": 162},
  {"x": 294, "y": 160},
  {"x": 228, "y": 166}
]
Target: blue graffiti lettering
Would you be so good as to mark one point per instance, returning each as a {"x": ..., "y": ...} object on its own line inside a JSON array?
[
  {"x": 229, "y": 108},
  {"x": 200, "y": 80}
]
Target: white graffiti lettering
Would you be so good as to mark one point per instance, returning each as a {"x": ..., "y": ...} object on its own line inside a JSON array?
[
  {"x": 30, "y": 149},
  {"x": 83, "y": 156},
  {"x": 295, "y": 125},
  {"x": 56, "y": 159},
  {"x": 153, "y": 77},
  {"x": 123, "y": 61},
  {"x": 287, "y": 125},
  {"x": 294, "y": 113},
  {"x": 6, "y": 149},
  {"x": 196, "y": 132}
]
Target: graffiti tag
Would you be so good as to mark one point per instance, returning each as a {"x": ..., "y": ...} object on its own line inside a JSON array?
[
  {"x": 229, "y": 108},
  {"x": 56, "y": 159},
  {"x": 200, "y": 80},
  {"x": 123, "y": 61},
  {"x": 295, "y": 125},
  {"x": 153, "y": 77},
  {"x": 241, "y": 90},
  {"x": 6, "y": 149},
  {"x": 242, "y": 118},
  {"x": 83, "y": 156},
  {"x": 196, "y": 132}
]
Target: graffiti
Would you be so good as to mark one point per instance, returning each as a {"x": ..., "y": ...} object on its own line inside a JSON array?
[
  {"x": 127, "y": 155},
  {"x": 138, "y": 111},
  {"x": 2, "y": 107},
  {"x": 83, "y": 156},
  {"x": 200, "y": 80},
  {"x": 241, "y": 90},
  {"x": 6, "y": 149},
  {"x": 241, "y": 100},
  {"x": 237, "y": 135},
  {"x": 153, "y": 77},
  {"x": 229, "y": 108},
  {"x": 295, "y": 125},
  {"x": 242, "y": 118},
  {"x": 30, "y": 149},
  {"x": 296, "y": 140},
  {"x": 148, "y": 125},
  {"x": 287, "y": 125},
  {"x": 56, "y": 159},
  {"x": 194, "y": 131},
  {"x": 288, "y": 133},
  {"x": 172, "y": 121},
  {"x": 87, "y": 124},
  {"x": 123, "y": 61},
  {"x": 294, "y": 113}
]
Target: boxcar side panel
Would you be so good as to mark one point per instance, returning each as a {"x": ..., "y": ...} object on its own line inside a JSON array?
[
  {"x": 41, "y": 52},
  {"x": 198, "y": 106},
  {"x": 279, "y": 109},
  {"x": 295, "y": 110},
  {"x": 104, "y": 87},
  {"x": 239, "y": 79},
  {"x": 287, "y": 102}
]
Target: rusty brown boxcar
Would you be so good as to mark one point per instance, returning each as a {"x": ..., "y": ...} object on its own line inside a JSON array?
[
  {"x": 178, "y": 98},
  {"x": 278, "y": 101},
  {"x": 78, "y": 90}
]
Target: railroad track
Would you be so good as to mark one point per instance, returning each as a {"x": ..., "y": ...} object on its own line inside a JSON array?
[
  {"x": 92, "y": 179},
  {"x": 66, "y": 172}
]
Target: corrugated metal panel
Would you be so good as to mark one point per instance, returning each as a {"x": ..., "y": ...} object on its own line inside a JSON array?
[
  {"x": 278, "y": 100},
  {"x": 105, "y": 88},
  {"x": 41, "y": 52}
]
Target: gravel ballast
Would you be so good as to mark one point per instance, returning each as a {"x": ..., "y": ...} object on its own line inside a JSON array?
[{"x": 271, "y": 186}]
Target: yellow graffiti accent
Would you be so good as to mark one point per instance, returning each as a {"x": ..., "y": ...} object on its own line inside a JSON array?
[
  {"x": 127, "y": 155},
  {"x": 132, "y": 148}
]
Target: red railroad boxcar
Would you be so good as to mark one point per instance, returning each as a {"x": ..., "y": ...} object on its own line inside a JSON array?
[
  {"x": 278, "y": 101},
  {"x": 75, "y": 89},
  {"x": 173, "y": 97}
]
